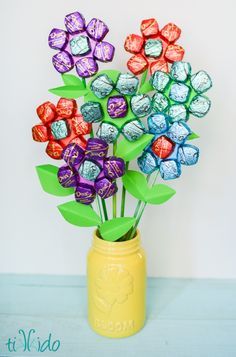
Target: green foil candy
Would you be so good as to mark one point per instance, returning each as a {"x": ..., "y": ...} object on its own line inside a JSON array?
[
  {"x": 127, "y": 84},
  {"x": 108, "y": 132},
  {"x": 159, "y": 102},
  {"x": 160, "y": 80},
  {"x": 59, "y": 129},
  {"x": 133, "y": 130},
  {"x": 153, "y": 48},
  {"x": 199, "y": 106}
]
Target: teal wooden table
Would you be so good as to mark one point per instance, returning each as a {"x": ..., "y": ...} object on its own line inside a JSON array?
[{"x": 185, "y": 318}]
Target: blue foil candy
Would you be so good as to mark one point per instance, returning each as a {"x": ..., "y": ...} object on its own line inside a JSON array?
[
  {"x": 89, "y": 170},
  {"x": 59, "y": 129},
  {"x": 179, "y": 92},
  {"x": 178, "y": 132},
  {"x": 170, "y": 169},
  {"x": 127, "y": 84},
  {"x": 201, "y": 81},
  {"x": 160, "y": 80},
  {"x": 140, "y": 105},
  {"x": 199, "y": 106},
  {"x": 159, "y": 102},
  {"x": 188, "y": 155},
  {"x": 102, "y": 86},
  {"x": 108, "y": 132},
  {"x": 147, "y": 163},
  {"x": 157, "y": 123},
  {"x": 180, "y": 71},
  {"x": 92, "y": 112},
  {"x": 133, "y": 130}
]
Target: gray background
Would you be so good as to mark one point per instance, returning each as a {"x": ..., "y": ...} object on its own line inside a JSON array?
[{"x": 193, "y": 234}]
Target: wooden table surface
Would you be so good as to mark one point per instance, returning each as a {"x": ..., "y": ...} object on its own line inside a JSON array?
[{"x": 185, "y": 318}]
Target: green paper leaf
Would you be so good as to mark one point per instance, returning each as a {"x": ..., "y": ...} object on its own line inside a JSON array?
[
  {"x": 130, "y": 150},
  {"x": 136, "y": 184},
  {"x": 159, "y": 194},
  {"x": 70, "y": 92},
  {"x": 71, "y": 80},
  {"x": 78, "y": 214},
  {"x": 146, "y": 88},
  {"x": 48, "y": 178},
  {"x": 193, "y": 136},
  {"x": 115, "y": 228}
]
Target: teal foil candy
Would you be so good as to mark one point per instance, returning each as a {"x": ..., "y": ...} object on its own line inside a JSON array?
[
  {"x": 133, "y": 130},
  {"x": 92, "y": 112},
  {"x": 157, "y": 123},
  {"x": 147, "y": 163},
  {"x": 127, "y": 84},
  {"x": 102, "y": 86},
  {"x": 153, "y": 48},
  {"x": 179, "y": 132},
  {"x": 180, "y": 71},
  {"x": 159, "y": 102},
  {"x": 140, "y": 105},
  {"x": 177, "y": 112},
  {"x": 188, "y": 155},
  {"x": 200, "y": 105},
  {"x": 159, "y": 80},
  {"x": 170, "y": 169},
  {"x": 108, "y": 132},
  {"x": 59, "y": 129},
  {"x": 89, "y": 170},
  {"x": 201, "y": 82},
  {"x": 80, "y": 45}
]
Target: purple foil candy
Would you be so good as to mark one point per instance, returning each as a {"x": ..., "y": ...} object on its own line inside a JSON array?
[
  {"x": 97, "y": 29},
  {"x": 114, "y": 167},
  {"x": 73, "y": 155},
  {"x": 86, "y": 67},
  {"x": 104, "y": 52},
  {"x": 85, "y": 194},
  {"x": 117, "y": 107},
  {"x": 66, "y": 177},
  {"x": 96, "y": 149},
  {"x": 58, "y": 39},
  {"x": 63, "y": 62},
  {"x": 75, "y": 22},
  {"x": 105, "y": 188}
]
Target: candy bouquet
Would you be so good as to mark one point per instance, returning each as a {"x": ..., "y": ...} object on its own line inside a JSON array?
[
  {"x": 139, "y": 115},
  {"x": 125, "y": 120}
]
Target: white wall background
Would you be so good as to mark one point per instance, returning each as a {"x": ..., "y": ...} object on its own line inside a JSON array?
[{"x": 193, "y": 235}]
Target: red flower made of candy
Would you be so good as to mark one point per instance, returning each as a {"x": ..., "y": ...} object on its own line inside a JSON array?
[
  {"x": 61, "y": 125},
  {"x": 155, "y": 49}
]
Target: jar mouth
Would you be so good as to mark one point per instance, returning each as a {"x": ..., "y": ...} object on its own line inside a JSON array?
[{"x": 116, "y": 248}]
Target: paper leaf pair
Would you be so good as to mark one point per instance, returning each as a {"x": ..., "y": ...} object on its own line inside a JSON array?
[
  {"x": 73, "y": 88},
  {"x": 136, "y": 184},
  {"x": 128, "y": 150}
]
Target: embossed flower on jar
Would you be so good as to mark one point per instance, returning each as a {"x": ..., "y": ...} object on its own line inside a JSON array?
[
  {"x": 90, "y": 171},
  {"x": 113, "y": 286}
]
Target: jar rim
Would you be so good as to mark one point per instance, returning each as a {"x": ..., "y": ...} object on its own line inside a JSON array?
[{"x": 116, "y": 248}]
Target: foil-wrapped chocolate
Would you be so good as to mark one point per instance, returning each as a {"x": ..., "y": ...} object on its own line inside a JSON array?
[
  {"x": 102, "y": 86},
  {"x": 96, "y": 149},
  {"x": 58, "y": 39},
  {"x": 170, "y": 169},
  {"x": 199, "y": 106},
  {"x": 158, "y": 123},
  {"x": 108, "y": 132},
  {"x": 92, "y": 112},
  {"x": 159, "y": 102},
  {"x": 80, "y": 45},
  {"x": 89, "y": 170},
  {"x": 188, "y": 155},
  {"x": 147, "y": 163},
  {"x": 66, "y": 177},
  {"x": 117, "y": 107},
  {"x": 153, "y": 48},
  {"x": 160, "y": 80},
  {"x": 85, "y": 193},
  {"x": 127, "y": 84},
  {"x": 63, "y": 62},
  {"x": 201, "y": 81},
  {"x": 133, "y": 130},
  {"x": 104, "y": 51},
  {"x": 59, "y": 129},
  {"x": 86, "y": 67},
  {"x": 105, "y": 188},
  {"x": 177, "y": 112},
  {"x": 114, "y": 167},
  {"x": 163, "y": 147},
  {"x": 180, "y": 71},
  {"x": 179, "y": 92},
  {"x": 73, "y": 155},
  {"x": 140, "y": 105},
  {"x": 178, "y": 132}
]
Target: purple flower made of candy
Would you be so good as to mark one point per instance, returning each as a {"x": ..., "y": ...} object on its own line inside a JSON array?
[
  {"x": 80, "y": 45},
  {"x": 90, "y": 171}
]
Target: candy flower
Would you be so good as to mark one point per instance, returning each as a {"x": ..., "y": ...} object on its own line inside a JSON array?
[
  {"x": 180, "y": 93},
  {"x": 168, "y": 149},
  {"x": 90, "y": 171},
  {"x": 61, "y": 125},
  {"x": 80, "y": 45},
  {"x": 116, "y": 103},
  {"x": 155, "y": 49}
]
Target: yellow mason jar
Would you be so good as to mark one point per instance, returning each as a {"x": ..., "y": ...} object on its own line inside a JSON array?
[{"x": 116, "y": 276}]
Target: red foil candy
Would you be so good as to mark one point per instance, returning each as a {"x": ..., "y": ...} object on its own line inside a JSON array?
[
  {"x": 170, "y": 53},
  {"x": 163, "y": 147},
  {"x": 61, "y": 125}
]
